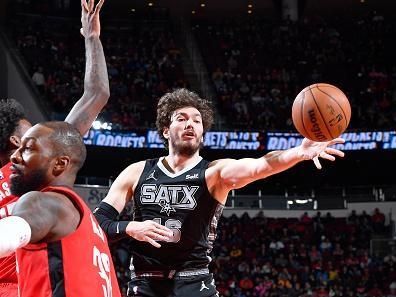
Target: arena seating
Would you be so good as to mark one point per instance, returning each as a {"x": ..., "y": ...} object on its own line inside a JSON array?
[{"x": 309, "y": 256}]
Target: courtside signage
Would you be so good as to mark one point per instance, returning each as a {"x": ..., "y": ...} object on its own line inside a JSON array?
[{"x": 242, "y": 140}]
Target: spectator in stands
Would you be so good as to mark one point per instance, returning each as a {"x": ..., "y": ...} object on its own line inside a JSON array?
[
  {"x": 306, "y": 219},
  {"x": 353, "y": 218},
  {"x": 378, "y": 220},
  {"x": 39, "y": 80}
]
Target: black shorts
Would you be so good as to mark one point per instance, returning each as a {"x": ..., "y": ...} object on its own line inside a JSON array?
[{"x": 186, "y": 286}]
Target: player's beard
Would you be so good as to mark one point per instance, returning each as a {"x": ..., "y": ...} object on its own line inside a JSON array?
[
  {"x": 185, "y": 149},
  {"x": 21, "y": 184}
]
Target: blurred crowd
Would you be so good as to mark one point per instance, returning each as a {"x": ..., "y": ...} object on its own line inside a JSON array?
[
  {"x": 319, "y": 256},
  {"x": 143, "y": 63},
  {"x": 257, "y": 66}
]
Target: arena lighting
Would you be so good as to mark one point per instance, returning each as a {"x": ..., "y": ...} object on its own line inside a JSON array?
[
  {"x": 193, "y": 12},
  {"x": 98, "y": 125},
  {"x": 133, "y": 9},
  {"x": 203, "y": 4},
  {"x": 249, "y": 11},
  {"x": 150, "y": 4},
  {"x": 303, "y": 201},
  {"x": 250, "y": 5}
]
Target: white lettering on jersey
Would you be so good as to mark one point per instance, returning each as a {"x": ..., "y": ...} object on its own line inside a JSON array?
[
  {"x": 194, "y": 176},
  {"x": 96, "y": 229},
  {"x": 102, "y": 261},
  {"x": 4, "y": 190},
  {"x": 169, "y": 197}
]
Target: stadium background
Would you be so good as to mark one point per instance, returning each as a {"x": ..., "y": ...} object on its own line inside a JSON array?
[{"x": 250, "y": 58}]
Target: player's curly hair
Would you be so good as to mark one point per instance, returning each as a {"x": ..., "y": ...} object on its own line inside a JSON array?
[
  {"x": 11, "y": 112},
  {"x": 179, "y": 99}
]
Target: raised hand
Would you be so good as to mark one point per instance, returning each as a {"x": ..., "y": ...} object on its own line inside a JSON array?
[
  {"x": 312, "y": 150},
  {"x": 149, "y": 231},
  {"x": 90, "y": 18}
]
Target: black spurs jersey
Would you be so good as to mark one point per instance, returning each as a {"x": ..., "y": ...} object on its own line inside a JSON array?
[{"x": 182, "y": 203}]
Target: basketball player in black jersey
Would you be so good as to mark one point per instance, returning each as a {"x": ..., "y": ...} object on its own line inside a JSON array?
[{"x": 186, "y": 194}]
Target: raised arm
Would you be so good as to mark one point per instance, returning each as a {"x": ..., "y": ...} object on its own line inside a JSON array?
[
  {"x": 96, "y": 82},
  {"x": 109, "y": 209},
  {"x": 37, "y": 217},
  {"x": 229, "y": 174}
]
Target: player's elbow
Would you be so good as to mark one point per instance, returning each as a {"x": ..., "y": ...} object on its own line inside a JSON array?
[
  {"x": 103, "y": 94},
  {"x": 97, "y": 94}
]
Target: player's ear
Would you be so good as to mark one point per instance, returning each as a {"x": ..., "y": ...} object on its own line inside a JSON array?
[
  {"x": 61, "y": 164},
  {"x": 15, "y": 141},
  {"x": 165, "y": 133}
]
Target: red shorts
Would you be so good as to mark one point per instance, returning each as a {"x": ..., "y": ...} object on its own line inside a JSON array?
[{"x": 8, "y": 290}]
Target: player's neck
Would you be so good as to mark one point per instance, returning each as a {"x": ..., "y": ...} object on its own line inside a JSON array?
[{"x": 176, "y": 162}]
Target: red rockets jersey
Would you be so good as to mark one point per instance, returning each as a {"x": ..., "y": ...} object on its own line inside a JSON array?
[
  {"x": 6, "y": 199},
  {"x": 7, "y": 202},
  {"x": 78, "y": 265}
]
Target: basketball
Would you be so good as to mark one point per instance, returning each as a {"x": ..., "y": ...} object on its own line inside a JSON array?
[{"x": 321, "y": 112}]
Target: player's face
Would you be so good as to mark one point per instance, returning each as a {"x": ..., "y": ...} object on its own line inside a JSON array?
[
  {"x": 32, "y": 161},
  {"x": 185, "y": 133}
]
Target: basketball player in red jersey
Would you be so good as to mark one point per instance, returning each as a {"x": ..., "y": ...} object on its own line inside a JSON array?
[
  {"x": 13, "y": 123},
  {"x": 187, "y": 194},
  {"x": 59, "y": 246}
]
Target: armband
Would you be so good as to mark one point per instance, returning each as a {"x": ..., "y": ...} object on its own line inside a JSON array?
[
  {"x": 15, "y": 233},
  {"x": 106, "y": 216}
]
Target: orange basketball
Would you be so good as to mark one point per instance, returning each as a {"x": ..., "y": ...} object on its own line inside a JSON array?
[{"x": 321, "y": 112}]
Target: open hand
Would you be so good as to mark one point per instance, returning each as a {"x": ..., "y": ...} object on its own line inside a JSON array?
[
  {"x": 90, "y": 18},
  {"x": 149, "y": 231},
  {"x": 312, "y": 150}
]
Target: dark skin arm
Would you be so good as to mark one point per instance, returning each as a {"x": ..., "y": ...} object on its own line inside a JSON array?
[
  {"x": 96, "y": 82},
  {"x": 51, "y": 216}
]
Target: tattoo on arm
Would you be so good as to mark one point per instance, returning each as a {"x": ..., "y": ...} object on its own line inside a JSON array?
[{"x": 96, "y": 87}]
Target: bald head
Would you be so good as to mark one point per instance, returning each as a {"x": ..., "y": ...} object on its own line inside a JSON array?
[{"x": 66, "y": 140}]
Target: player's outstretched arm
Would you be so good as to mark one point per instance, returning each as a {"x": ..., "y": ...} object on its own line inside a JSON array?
[
  {"x": 121, "y": 191},
  {"x": 37, "y": 217},
  {"x": 96, "y": 83},
  {"x": 234, "y": 174}
]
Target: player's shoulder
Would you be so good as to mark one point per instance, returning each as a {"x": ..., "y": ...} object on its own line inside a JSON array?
[
  {"x": 132, "y": 172},
  {"x": 135, "y": 166},
  {"x": 36, "y": 200}
]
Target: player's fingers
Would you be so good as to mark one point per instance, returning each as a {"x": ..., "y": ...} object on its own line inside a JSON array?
[
  {"x": 337, "y": 140},
  {"x": 82, "y": 31},
  {"x": 159, "y": 226},
  {"x": 327, "y": 156},
  {"x": 91, "y": 4},
  {"x": 316, "y": 162},
  {"x": 164, "y": 234},
  {"x": 84, "y": 6},
  {"x": 156, "y": 236},
  {"x": 333, "y": 151},
  {"x": 98, "y": 6},
  {"x": 160, "y": 237},
  {"x": 152, "y": 242}
]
